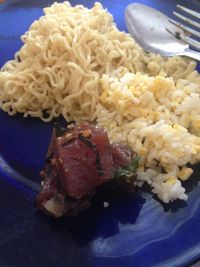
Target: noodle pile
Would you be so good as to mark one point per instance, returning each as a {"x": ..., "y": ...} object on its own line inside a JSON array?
[
  {"x": 65, "y": 52},
  {"x": 75, "y": 62}
]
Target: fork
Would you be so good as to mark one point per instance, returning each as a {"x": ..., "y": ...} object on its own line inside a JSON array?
[{"x": 188, "y": 31}]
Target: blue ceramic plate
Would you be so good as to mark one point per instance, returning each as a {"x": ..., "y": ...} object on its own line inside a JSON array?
[{"x": 135, "y": 231}]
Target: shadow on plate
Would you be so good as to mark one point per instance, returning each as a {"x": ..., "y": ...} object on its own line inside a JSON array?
[
  {"x": 124, "y": 208},
  {"x": 100, "y": 221},
  {"x": 192, "y": 183}
]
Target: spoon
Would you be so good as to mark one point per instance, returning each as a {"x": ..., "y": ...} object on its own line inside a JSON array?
[{"x": 148, "y": 27}]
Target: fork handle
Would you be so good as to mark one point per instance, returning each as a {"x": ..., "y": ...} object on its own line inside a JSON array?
[{"x": 192, "y": 54}]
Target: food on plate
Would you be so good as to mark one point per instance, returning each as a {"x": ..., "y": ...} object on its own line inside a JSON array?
[
  {"x": 80, "y": 158},
  {"x": 160, "y": 119},
  {"x": 76, "y": 63}
]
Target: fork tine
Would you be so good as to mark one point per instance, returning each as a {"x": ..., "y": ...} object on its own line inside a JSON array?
[
  {"x": 185, "y": 28},
  {"x": 187, "y": 20},
  {"x": 185, "y": 38},
  {"x": 189, "y": 11}
]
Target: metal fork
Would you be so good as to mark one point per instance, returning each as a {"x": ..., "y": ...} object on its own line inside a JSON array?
[{"x": 188, "y": 31}]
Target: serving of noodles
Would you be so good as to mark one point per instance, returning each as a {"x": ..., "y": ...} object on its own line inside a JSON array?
[{"x": 75, "y": 62}]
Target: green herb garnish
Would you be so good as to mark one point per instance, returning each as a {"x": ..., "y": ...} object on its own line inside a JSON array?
[{"x": 128, "y": 170}]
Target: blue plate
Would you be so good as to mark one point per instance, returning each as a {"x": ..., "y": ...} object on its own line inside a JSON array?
[{"x": 135, "y": 231}]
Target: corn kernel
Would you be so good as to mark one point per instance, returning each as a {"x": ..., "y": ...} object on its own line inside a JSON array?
[
  {"x": 185, "y": 173},
  {"x": 172, "y": 180}
]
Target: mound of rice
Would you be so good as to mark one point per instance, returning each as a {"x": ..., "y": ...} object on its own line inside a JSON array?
[{"x": 160, "y": 120}]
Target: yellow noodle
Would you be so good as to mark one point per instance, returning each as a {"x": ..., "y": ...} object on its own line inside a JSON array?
[{"x": 64, "y": 55}]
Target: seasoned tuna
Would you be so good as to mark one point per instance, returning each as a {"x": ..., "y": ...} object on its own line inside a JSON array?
[{"x": 79, "y": 160}]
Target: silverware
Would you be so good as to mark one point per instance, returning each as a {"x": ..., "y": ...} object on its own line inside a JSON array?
[
  {"x": 187, "y": 30},
  {"x": 148, "y": 27}
]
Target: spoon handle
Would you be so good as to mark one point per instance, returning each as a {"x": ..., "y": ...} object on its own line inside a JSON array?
[{"x": 192, "y": 54}]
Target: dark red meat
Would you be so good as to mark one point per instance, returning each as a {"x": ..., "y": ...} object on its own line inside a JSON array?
[
  {"x": 78, "y": 161},
  {"x": 84, "y": 159},
  {"x": 122, "y": 154}
]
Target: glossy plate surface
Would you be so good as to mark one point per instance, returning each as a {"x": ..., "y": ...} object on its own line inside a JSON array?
[{"x": 134, "y": 231}]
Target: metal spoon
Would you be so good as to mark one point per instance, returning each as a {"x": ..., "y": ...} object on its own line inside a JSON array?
[{"x": 148, "y": 27}]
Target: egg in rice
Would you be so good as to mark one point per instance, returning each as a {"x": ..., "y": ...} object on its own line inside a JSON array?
[{"x": 160, "y": 120}]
